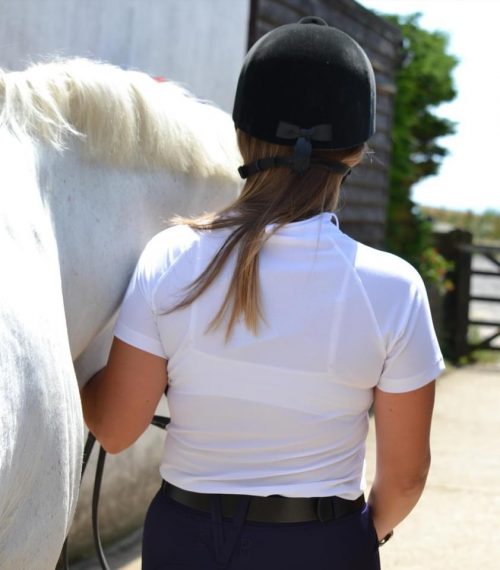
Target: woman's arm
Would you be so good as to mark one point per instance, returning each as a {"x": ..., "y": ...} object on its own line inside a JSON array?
[
  {"x": 402, "y": 424},
  {"x": 120, "y": 400}
]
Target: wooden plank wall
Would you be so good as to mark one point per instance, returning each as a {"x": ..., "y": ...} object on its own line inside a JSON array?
[{"x": 362, "y": 210}]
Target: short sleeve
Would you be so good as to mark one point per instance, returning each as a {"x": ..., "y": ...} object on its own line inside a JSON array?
[
  {"x": 414, "y": 359},
  {"x": 137, "y": 323}
]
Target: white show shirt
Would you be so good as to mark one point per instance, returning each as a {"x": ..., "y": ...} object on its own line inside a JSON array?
[{"x": 284, "y": 412}]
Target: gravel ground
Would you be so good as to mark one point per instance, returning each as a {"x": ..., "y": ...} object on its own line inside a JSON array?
[{"x": 456, "y": 525}]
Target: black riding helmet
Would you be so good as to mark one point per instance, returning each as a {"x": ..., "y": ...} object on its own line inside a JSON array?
[{"x": 306, "y": 85}]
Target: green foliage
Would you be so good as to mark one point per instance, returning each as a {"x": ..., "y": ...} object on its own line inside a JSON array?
[
  {"x": 423, "y": 82},
  {"x": 434, "y": 268}
]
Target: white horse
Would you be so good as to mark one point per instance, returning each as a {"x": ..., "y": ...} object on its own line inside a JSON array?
[{"x": 93, "y": 161}]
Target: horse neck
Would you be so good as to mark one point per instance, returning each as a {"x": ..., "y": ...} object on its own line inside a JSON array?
[
  {"x": 24, "y": 225},
  {"x": 102, "y": 217}
]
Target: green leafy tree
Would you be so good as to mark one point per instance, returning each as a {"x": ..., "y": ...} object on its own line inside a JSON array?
[{"x": 423, "y": 82}]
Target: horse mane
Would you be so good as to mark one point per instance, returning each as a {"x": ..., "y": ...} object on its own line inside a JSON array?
[{"x": 122, "y": 117}]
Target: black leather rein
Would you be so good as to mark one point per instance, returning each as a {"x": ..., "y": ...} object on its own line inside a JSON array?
[{"x": 63, "y": 562}]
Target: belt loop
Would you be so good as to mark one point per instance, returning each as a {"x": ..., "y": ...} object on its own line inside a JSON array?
[
  {"x": 226, "y": 541},
  {"x": 217, "y": 525},
  {"x": 234, "y": 531},
  {"x": 324, "y": 509}
]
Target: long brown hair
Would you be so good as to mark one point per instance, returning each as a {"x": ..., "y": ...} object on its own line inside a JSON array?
[{"x": 276, "y": 196}]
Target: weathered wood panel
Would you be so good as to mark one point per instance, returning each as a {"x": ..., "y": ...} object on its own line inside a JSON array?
[{"x": 364, "y": 200}]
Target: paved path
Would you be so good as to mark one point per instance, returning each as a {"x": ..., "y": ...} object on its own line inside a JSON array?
[{"x": 456, "y": 525}]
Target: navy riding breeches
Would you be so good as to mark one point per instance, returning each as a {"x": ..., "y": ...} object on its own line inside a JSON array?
[{"x": 179, "y": 537}]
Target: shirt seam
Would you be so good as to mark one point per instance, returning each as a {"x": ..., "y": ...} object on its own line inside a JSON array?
[
  {"x": 417, "y": 376},
  {"x": 164, "y": 274},
  {"x": 123, "y": 332},
  {"x": 352, "y": 268}
]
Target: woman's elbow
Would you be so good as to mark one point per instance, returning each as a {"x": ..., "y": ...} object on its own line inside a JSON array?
[
  {"x": 113, "y": 447},
  {"x": 113, "y": 443},
  {"x": 405, "y": 478},
  {"x": 411, "y": 482}
]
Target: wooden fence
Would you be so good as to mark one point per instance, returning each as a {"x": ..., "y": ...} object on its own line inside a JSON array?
[{"x": 457, "y": 321}]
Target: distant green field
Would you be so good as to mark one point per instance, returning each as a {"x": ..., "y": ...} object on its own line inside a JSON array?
[{"x": 484, "y": 227}]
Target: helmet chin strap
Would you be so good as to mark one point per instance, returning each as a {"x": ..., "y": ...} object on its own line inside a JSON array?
[
  {"x": 295, "y": 164},
  {"x": 301, "y": 159}
]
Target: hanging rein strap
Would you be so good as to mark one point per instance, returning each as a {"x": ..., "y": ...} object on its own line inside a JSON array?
[{"x": 63, "y": 562}]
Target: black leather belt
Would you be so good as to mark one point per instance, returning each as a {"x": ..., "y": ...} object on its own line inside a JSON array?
[{"x": 273, "y": 509}]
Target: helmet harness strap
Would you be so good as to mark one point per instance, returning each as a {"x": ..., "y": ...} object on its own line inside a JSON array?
[{"x": 301, "y": 159}]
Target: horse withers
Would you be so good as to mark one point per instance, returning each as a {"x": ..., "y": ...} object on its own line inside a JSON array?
[{"x": 94, "y": 160}]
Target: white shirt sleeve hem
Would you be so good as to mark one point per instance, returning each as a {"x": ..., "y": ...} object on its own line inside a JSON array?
[
  {"x": 400, "y": 385},
  {"x": 139, "y": 340}
]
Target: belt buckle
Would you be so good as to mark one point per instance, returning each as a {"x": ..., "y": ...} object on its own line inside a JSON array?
[{"x": 324, "y": 509}]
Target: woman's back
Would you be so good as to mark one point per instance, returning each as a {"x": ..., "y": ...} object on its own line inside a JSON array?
[{"x": 285, "y": 411}]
